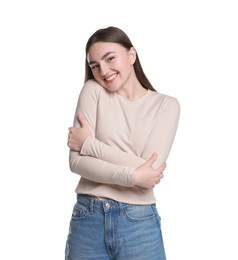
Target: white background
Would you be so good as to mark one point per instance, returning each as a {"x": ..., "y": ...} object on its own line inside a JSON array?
[{"x": 188, "y": 49}]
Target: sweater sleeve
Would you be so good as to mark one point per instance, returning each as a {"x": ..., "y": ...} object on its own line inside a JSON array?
[
  {"x": 91, "y": 168},
  {"x": 100, "y": 171},
  {"x": 163, "y": 133},
  {"x": 100, "y": 150}
]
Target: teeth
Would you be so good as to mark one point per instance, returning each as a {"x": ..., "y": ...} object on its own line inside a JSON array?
[{"x": 110, "y": 78}]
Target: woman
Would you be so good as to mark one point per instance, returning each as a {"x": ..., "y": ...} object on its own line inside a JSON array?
[{"x": 122, "y": 135}]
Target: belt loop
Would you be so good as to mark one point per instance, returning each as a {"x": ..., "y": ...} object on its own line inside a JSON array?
[
  {"x": 91, "y": 205},
  {"x": 120, "y": 208}
]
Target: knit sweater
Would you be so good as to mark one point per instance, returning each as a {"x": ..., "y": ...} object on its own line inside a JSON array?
[{"x": 124, "y": 135}]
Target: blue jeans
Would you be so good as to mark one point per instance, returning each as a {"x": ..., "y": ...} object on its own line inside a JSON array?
[{"x": 106, "y": 229}]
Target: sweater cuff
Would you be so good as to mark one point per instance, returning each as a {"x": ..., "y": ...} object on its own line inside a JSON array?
[
  {"x": 130, "y": 177},
  {"x": 86, "y": 145}
]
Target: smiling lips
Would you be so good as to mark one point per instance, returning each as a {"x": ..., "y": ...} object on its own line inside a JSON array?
[{"x": 110, "y": 78}]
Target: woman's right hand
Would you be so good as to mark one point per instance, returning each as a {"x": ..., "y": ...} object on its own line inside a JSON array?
[
  {"x": 146, "y": 176},
  {"x": 77, "y": 136}
]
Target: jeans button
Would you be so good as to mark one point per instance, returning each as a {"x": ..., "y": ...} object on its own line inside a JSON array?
[{"x": 107, "y": 205}]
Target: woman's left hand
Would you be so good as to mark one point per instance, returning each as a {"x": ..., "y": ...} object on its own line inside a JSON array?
[{"x": 77, "y": 136}]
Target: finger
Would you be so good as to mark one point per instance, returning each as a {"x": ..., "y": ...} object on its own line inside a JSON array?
[
  {"x": 82, "y": 119},
  {"x": 162, "y": 167},
  {"x": 157, "y": 180},
  {"x": 161, "y": 176},
  {"x": 151, "y": 160}
]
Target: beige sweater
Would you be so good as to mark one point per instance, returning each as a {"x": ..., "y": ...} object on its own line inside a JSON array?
[{"x": 124, "y": 135}]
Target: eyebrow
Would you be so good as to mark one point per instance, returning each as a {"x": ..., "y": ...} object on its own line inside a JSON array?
[{"x": 102, "y": 58}]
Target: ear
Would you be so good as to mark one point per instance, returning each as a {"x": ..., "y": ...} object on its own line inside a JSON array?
[{"x": 132, "y": 55}]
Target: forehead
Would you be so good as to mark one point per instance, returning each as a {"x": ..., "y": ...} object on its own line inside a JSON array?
[{"x": 98, "y": 49}]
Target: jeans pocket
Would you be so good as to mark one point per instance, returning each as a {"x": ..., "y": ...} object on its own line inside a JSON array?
[
  {"x": 138, "y": 213},
  {"x": 80, "y": 212}
]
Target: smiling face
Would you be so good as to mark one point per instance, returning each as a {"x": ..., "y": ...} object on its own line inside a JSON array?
[{"x": 112, "y": 65}]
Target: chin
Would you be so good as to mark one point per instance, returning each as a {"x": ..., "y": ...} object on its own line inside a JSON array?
[{"x": 111, "y": 88}]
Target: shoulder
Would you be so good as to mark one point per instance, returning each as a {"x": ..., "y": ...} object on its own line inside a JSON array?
[
  {"x": 91, "y": 85},
  {"x": 91, "y": 89},
  {"x": 166, "y": 102}
]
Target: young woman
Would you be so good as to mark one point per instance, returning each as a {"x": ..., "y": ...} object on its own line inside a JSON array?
[{"x": 122, "y": 135}]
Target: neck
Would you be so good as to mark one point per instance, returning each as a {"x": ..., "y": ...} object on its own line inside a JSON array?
[
  {"x": 132, "y": 90},
  {"x": 133, "y": 94}
]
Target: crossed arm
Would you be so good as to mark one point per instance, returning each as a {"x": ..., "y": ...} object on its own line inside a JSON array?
[
  {"x": 99, "y": 162},
  {"x": 144, "y": 175}
]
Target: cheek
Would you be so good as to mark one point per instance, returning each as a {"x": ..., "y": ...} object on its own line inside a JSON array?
[
  {"x": 96, "y": 74},
  {"x": 98, "y": 78},
  {"x": 123, "y": 66},
  {"x": 126, "y": 68}
]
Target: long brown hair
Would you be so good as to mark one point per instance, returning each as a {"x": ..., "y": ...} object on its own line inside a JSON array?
[{"x": 115, "y": 35}]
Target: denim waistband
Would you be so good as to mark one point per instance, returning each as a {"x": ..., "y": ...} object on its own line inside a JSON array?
[
  {"x": 105, "y": 204},
  {"x": 95, "y": 203}
]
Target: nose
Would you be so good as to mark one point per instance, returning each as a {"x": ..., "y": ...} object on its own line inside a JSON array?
[{"x": 104, "y": 69}]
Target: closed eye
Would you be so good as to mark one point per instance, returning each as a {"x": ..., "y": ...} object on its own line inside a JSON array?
[
  {"x": 94, "y": 67},
  {"x": 109, "y": 59}
]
